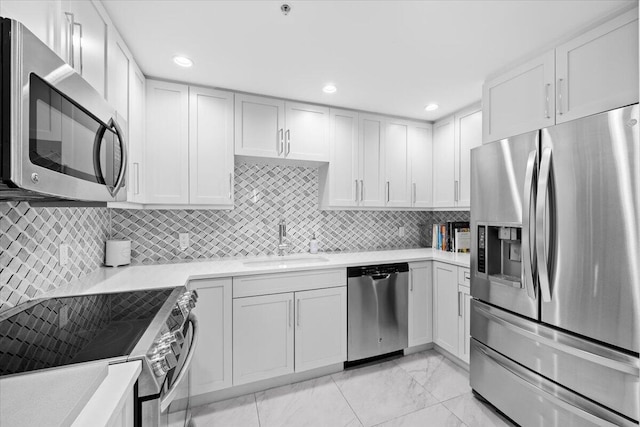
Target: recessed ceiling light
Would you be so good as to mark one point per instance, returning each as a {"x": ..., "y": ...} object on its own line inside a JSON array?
[
  {"x": 431, "y": 107},
  {"x": 183, "y": 61},
  {"x": 329, "y": 88}
]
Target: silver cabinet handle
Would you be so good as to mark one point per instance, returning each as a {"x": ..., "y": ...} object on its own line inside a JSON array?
[
  {"x": 388, "y": 192},
  {"x": 455, "y": 191},
  {"x": 547, "y": 87},
  {"x": 71, "y": 26},
  {"x": 230, "y": 185},
  {"x": 290, "y": 314},
  {"x": 288, "y": 138},
  {"x": 280, "y": 142},
  {"x": 560, "y": 96},
  {"x": 136, "y": 168},
  {"x": 527, "y": 251},
  {"x": 415, "y": 192},
  {"x": 541, "y": 206},
  {"x": 356, "y": 198},
  {"x": 411, "y": 282},
  {"x": 459, "y": 304},
  {"x": 79, "y": 25},
  {"x": 298, "y": 312},
  {"x": 361, "y": 191}
]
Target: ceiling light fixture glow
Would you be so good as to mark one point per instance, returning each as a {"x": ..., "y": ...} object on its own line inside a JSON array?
[
  {"x": 431, "y": 107},
  {"x": 182, "y": 61},
  {"x": 329, "y": 88}
]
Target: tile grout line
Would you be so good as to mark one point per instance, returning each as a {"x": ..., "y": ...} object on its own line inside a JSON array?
[
  {"x": 255, "y": 402},
  {"x": 428, "y": 378},
  {"x": 346, "y": 400}
]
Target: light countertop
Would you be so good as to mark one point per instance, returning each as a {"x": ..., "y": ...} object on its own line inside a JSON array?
[{"x": 137, "y": 277}]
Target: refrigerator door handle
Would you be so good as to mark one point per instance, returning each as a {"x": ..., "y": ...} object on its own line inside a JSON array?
[
  {"x": 527, "y": 251},
  {"x": 541, "y": 206}
]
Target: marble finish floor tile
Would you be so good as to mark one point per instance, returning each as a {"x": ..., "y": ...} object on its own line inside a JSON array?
[
  {"x": 238, "y": 412},
  {"x": 475, "y": 413},
  {"x": 316, "y": 402},
  {"x": 448, "y": 380},
  {"x": 421, "y": 365},
  {"x": 436, "y": 415},
  {"x": 382, "y": 392}
]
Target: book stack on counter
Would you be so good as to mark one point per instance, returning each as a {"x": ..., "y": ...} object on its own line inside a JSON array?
[{"x": 452, "y": 237}]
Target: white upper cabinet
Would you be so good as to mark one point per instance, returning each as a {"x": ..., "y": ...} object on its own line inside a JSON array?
[
  {"x": 443, "y": 163},
  {"x": 259, "y": 126},
  {"x": 598, "y": 71},
  {"x": 210, "y": 147},
  {"x": 421, "y": 153},
  {"x": 468, "y": 136},
  {"x": 272, "y": 128},
  {"x": 371, "y": 167},
  {"x": 167, "y": 146},
  {"x": 307, "y": 133},
  {"x": 520, "y": 100},
  {"x": 118, "y": 76},
  {"x": 135, "y": 191},
  {"x": 397, "y": 164},
  {"x": 85, "y": 34},
  {"x": 340, "y": 179},
  {"x": 41, "y": 17}
]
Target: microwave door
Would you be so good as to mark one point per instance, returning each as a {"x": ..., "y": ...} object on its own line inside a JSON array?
[{"x": 503, "y": 177}]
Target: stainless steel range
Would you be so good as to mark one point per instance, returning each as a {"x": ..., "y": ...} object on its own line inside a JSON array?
[{"x": 154, "y": 326}]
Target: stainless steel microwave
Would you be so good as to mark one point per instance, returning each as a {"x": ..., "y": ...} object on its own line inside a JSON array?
[{"x": 59, "y": 138}]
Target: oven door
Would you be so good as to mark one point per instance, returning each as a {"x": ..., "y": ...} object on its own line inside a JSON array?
[
  {"x": 172, "y": 407},
  {"x": 59, "y": 136}
]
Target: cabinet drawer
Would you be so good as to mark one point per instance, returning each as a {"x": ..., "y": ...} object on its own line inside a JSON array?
[
  {"x": 265, "y": 284},
  {"x": 464, "y": 276}
]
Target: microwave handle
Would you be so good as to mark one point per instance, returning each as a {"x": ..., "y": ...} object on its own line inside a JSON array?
[{"x": 123, "y": 169}]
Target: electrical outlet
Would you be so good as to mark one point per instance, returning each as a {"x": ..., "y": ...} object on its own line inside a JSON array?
[
  {"x": 63, "y": 316},
  {"x": 63, "y": 254},
  {"x": 184, "y": 240},
  {"x": 401, "y": 231}
]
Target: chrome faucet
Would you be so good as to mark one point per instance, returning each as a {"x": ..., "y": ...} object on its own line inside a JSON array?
[{"x": 282, "y": 233}]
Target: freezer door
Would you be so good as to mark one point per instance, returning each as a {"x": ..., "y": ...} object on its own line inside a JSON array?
[
  {"x": 531, "y": 400},
  {"x": 502, "y": 186},
  {"x": 587, "y": 227}
]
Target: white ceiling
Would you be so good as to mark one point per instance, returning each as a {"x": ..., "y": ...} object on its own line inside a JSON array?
[{"x": 391, "y": 57}]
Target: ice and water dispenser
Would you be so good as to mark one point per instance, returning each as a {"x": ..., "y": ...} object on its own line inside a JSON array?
[{"x": 499, "y": 255}]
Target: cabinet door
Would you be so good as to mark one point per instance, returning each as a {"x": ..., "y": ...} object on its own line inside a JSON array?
[
  {"x": 464, "y": 329},
  {"x": 211, "y": 366},
  {"x": 135, "y": 192},
  {"x": 421, "y": 151},
  {"x": 321, "y": 328},
  {"x": 259, "y": 126},
  {"x": 598, "y": 71},
  {"x": 262, "y": 337},
  {"x": 397, "y": 165},
  {"x": 342, "y": 172},
  {"x": 372, "y": 155},
  {"x": 468, "y": 136},
  {"x": 210, "y": 147},
  {"x": 307, "y": 132},
  {"x": 520, "y": 100},
  {"x": 445, "y": 307},
  {"x": 420, "y": 303},
  {"x": 444, "y": 164},
  {"x": 88, "y": 32},
  {"x": 39, "y": 16},
  {"x": 167, "y": 147},
  {"x": 118, "y": 61}
]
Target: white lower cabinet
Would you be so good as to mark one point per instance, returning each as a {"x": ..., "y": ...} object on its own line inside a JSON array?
[
  {"x": 464, "y": 325},
  {"x": 320, "y": 331},
  {"x": 262, "y": 337},
  {"x": 211, "y": 365},
  {"x": 420, "y": 303},
  {"x": 445, "y": 294}
]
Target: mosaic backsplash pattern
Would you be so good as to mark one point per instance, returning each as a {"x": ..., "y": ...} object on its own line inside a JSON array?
[
  {"x": 252, "y": 227},
  {"x": 29, "y": 240}
]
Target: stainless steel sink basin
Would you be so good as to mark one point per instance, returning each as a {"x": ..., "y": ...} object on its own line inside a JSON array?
[{"x": 285, "y": 261}]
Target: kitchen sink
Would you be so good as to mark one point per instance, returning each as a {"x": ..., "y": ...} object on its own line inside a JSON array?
[{"x": 285, "y": 261}]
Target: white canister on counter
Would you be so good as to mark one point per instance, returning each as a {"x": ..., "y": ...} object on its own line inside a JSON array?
[
  {"x": 117, "y": 253},
  {"x": 313, "y": 244}
]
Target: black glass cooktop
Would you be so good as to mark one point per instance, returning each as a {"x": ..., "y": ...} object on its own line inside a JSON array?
[{"x": 61, "y": 331}]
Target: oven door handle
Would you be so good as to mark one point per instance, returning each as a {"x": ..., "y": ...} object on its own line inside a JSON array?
[{"x": 168, "y": 398}]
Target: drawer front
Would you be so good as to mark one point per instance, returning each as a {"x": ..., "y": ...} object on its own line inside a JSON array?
[
  {"x": 265, "y": 284},
  {"x": 597, "y": 372},
  {"x": 464, "y": 276}
]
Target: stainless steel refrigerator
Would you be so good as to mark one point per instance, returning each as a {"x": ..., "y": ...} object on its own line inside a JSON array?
[{"x": 555, "y": 273}]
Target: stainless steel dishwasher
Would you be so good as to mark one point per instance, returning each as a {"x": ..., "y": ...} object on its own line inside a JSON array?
[{"x": 377, "y": 312}]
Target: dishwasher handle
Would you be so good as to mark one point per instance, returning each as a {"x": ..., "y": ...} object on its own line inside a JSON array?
[{"x": 381, "y": 276}]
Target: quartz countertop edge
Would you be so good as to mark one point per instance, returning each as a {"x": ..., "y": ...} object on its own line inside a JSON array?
[{"x": 140, "y": 277}]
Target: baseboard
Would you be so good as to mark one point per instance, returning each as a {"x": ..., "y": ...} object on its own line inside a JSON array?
[
  {"x": 418, "y": 348},
  {"x": 455, "y": 359}
]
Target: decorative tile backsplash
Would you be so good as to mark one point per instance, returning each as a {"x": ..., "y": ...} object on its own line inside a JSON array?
[
  {"x": 29, "y": 240},
  {"x": 29, "y": 237}
]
